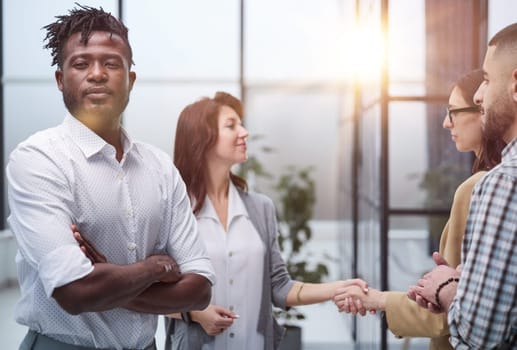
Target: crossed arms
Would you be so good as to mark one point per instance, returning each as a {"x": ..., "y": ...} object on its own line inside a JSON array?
[{"x": 153, "y": 285}]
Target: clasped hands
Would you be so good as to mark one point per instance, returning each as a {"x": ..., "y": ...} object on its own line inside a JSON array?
[
  {"x": 434, "y": 291},
  {"x": 166, "y": 267},
  {"x": 427, "y": 292},
  {"x": 356, "y": 300}
]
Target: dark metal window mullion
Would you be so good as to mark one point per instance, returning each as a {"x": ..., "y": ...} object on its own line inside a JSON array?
[{"x": 2, "y": 145}]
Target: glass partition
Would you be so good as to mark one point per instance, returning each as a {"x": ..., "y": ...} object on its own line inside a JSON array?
[
  {"x": 185, "y": 40},
  {"x": 414, "y": 182},
  {"x": 301, "y": 128},
  {"x": 290, "y": 40},
  {"x": 407, "y": 48}
]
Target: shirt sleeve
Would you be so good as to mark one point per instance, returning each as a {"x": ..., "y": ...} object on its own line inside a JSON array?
[
  {"x": 484, "y": 304},
  {"x": 407, "y": 319},
  {"x": 281, "y": 281},
  {"x": 185, "y": 243},
  {"x": 40, "y": 217}
]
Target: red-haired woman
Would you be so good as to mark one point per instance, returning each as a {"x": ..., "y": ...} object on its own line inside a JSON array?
[{"x": 239, "y": 229}]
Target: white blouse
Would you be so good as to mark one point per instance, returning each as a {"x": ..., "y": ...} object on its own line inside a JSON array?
[{"x": 237, "y": 257}]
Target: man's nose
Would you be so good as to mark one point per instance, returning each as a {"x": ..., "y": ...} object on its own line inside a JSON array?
[{"x": 97, "y": 72}]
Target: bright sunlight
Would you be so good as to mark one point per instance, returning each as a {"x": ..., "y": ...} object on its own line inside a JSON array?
[{"x": 369, "y": 57}]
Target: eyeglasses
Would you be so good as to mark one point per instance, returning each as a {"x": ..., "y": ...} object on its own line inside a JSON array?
[{"x": 451, "y": 113}]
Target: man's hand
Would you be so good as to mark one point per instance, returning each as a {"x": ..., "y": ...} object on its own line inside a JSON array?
[
  {"x": 166, "y": 267},
  {"x": 88, "y": 249},
  {"x": 439, "y": 260},
  {"x": 424, "y": 292},
  {"x": 355, "y": 300},
  {"x": 169, "y": 271},
  {"x": 350, "y": 296}
]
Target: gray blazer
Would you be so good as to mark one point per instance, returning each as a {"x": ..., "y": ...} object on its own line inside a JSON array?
[{"x": 276, "y": 283}]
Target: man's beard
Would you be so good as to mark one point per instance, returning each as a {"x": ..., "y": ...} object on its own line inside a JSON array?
[
  {"x": 70, "y": 102},
  {"x": 73, "y": 105},
  {"x": 499, "y": 119}
]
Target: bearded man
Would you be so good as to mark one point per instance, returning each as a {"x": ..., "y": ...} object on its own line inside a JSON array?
[{"x": 480, "y": 297}]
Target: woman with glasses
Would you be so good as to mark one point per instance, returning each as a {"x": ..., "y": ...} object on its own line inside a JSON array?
[{"x": 404, "y": 317}]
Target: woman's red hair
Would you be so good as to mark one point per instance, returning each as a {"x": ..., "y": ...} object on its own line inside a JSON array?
[{"x": 196, "y": 134}]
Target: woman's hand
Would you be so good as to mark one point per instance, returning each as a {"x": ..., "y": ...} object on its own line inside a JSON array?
[
  {"x": 353, "y": 299},
  {"x": 347, "y": 302},
  {"x": 214, "y": 319},
  {"x": 355, "y": 282}
]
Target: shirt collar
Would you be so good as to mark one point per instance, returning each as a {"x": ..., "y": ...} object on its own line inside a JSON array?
[
  {"x": 89, "y": 142},
  {"x": 510, "y": 151},
  {"x": 235, "y": 206},
  {"x": 207, "y": 210}
]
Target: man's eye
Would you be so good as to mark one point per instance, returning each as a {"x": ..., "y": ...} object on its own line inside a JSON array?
[
  {"x": 80, "y": 65},
  {"x": 111, "y": 64}
]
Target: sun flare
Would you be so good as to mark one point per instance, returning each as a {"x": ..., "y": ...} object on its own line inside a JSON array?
[{"x": 368, "y": 61}]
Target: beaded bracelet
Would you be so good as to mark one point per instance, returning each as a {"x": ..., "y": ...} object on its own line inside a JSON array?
[{"x": 443, "y": 284}]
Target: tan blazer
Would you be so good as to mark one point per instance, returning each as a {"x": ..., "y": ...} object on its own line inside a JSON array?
[{"x": 405, "y": 318}]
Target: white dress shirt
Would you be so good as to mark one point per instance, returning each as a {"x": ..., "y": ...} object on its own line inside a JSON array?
[
  {"x": 128, "y": 209},
  {"x": 237, "y": 257}
]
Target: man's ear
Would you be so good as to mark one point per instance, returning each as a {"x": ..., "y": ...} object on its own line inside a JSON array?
[
  {"x": 59, "y": 79},
  {"x": 132, "y": 78},
  {"x": 514, "y": 85}
]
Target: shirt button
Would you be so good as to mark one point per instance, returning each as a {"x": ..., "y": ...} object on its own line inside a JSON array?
[
  {"x": 231, "y": 281},
  {"x": 131, "y": 246},
  {"x": 231, "y": 307},
  {"x": 230, "y": 254},
  {"x": 232, "y": 335},
  {"x": 129, "y": 213}
]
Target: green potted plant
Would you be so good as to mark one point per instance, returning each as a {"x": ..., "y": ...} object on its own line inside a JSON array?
[{"x": 296, "y": 197}]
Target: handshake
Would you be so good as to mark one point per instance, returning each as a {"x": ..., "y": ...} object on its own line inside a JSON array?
[
  {"x": 434, "y": 291},
  {"x": 357, "y": 300}
]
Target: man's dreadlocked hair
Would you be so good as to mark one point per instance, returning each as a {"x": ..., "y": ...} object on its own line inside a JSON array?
[{"x": 82, "y": 20}]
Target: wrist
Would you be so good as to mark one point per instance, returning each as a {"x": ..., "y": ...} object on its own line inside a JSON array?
[
  {"x": 299, "y": 294},
  {"x": 381, "y": 301},
  {"x": 445, "y": 292},
  {"x": 375, "y": 299},
  {"x": 155, "y": 270},
  {"x": 186, "y": 316}
]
